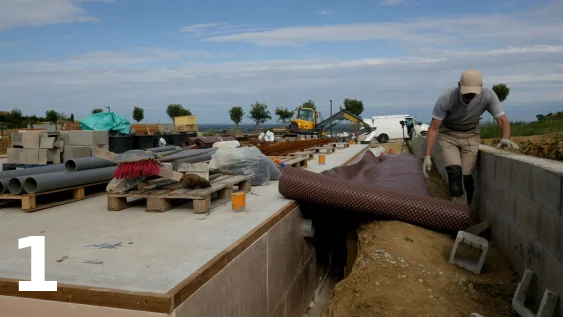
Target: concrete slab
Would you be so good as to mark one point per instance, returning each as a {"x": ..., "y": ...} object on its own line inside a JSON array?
[{"x": 158, "y": 250}]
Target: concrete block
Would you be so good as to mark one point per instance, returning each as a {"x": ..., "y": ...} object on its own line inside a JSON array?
[
  {"x": 65, "y": 137},
  {"x": 17, "y": 139},
  {"x": 42, "y": 156},
  {"x": 527, "y": 214},
  {"x": 537, "y": 183},
  {"x": 72, "y": 152},
  {"x": 31, "y": 140},
  {"x": 54, "y": 156},
  {"x": 419, "y": 146},
  {"x": 475, "y": 242},
  {"x": 16, "y": 156},
  {"x": 47, "y": 142},
  {"x": 32, "y": 156},
  {"x": 89, "y": 137},
  {"x": 550, "y": 232},
  {"x": 547, "y": 306},
  {"x": 101, "y": 146}
]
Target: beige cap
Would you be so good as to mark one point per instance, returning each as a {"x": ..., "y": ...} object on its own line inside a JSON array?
[{"x": 471, "y": 82}]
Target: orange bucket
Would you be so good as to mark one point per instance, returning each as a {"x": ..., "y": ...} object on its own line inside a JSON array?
[
  {"x": 322, "y": 159},
  {"x": 239, "y": 202}
]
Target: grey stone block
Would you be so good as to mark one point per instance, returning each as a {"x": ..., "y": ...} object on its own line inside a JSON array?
[
  {"x": 547, "y": 306},
  {"x": 65, "y": 137},
  {"x": 47, "y": 142},
  {"x": 475, "y": 242},
  {"x": 537, "y": 183},
  {"x": 32, "y": 156},
  {"x": 89, "y": 137},
  {"x": 16, "y": 156},
  {"x": 31, "y": 140},
  {"x": 550, "y": 232},
  {"x": 73, "y": 152},
  {"x": 17, "y": 139}
]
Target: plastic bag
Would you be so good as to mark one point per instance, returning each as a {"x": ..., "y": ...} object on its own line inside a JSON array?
[
  {"x": 244, "y": 161},
  {"x": 106, "y": 121},
  {"x": 269, "y": 136},
  {"x": 226, "y": 144}
]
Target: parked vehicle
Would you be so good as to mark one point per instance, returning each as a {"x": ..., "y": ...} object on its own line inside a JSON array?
[{"x": 389, "y": 127}]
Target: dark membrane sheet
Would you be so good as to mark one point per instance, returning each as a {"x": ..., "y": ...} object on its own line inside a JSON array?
[{"x": 389, "y": 186}]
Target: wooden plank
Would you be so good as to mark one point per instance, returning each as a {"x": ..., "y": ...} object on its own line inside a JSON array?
[
  {"x": 170, "y": 174},
  {"x": 95, "y": 296}
]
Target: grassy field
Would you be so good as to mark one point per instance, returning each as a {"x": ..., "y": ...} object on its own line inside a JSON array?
[{"x": 491, "y": 129}]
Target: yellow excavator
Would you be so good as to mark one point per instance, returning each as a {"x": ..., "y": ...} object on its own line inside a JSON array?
[{"x": 305, "y": 122}]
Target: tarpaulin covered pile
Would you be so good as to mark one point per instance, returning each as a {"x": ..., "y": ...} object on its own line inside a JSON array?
[{"x": 389, "y": 186}]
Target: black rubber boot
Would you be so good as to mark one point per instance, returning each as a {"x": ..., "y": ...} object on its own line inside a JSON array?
[
  {"x": 454, "y": 180},
  {"x": 469, "y": 185}
]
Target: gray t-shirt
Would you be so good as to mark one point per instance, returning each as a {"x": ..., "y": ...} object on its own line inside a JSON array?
[{"x": 456, "y": 116}]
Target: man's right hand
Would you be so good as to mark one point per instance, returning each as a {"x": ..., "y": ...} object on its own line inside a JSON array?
[{"x": 426, "y": 166}]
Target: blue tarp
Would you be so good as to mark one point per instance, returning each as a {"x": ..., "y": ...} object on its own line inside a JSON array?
[{"x": 107, "y": 121}]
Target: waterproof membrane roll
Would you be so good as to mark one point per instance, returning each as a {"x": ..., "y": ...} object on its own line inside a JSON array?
[{"x": 360, "y": 188}]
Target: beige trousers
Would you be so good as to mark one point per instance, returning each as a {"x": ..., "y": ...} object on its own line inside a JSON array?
[{"x": 460, "y": 149}]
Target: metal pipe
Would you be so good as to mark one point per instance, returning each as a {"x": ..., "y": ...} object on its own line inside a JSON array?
[
  {"x": 15, "y": 184},
  {"x": 51, "y": 181},
  {"x": 32, "y": 171},
  {"x": 87, "y": 163}
]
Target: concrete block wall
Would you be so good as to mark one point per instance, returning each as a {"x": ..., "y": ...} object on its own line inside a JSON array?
[{"x": 521, "y": 197}]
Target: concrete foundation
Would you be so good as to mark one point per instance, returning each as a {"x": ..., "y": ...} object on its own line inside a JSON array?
[{"x": 177, "y": 263}]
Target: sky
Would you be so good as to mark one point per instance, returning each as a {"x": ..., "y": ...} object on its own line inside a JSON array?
[{"x": 397, "y": 56}]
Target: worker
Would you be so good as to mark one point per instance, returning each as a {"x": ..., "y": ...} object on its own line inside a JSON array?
[{"x": 455, "y": 123}]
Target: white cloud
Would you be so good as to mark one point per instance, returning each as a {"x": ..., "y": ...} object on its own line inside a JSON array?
[
  {"x": 453, "y": 31},
  {"x": 198, "y": 27},
  {"x": 391, "y": 2},
  {"x": 324, "y": 12},
  {"x": 22, "y": 13},
  {"x": 386, "y": 85}
]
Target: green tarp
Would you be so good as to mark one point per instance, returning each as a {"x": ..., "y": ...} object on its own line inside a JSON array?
[{"x": 107, "y": 121}]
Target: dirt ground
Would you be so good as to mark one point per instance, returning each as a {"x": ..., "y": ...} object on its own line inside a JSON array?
[
  {"x": 5, "y": 143},
  {"x": 403, "y": 270},
  {"x": 544, "y": 146}
]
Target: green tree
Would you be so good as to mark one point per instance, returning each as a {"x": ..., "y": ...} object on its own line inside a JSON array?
[
  {"x": 53, "y": 116},
  {"x": 259, "y": 113},
  {"x": 236, "y": 113},
  {"x": 32, "y": 120},
  {"x": 71, "y": 119},
  {"x": 502, "y": 91},
  {"x": 176, "y": 110},
  {"x": 284, "y": 114},
  {"x": 138, "y": 114},
  {"x": 354, "y": 106},
  {"x": 309, "y": 104},
  {"x": 97, "y": 110},
  {"x": 15, "y": 118}
]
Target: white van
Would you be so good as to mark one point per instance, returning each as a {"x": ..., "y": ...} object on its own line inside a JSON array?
[{"x": 389, "y": 127}]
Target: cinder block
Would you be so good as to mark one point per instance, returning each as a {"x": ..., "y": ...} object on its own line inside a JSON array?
[
  {"x": 537, "y": 183},
  {"x": 47, "y": 142},
  {"x": 54, "y": 156},
  {"x": 89, "y": 137},
  {"x": 527, "y": 214},
  {"x": 31, "y": 140},
  {"x": 31, "y": 156},
  {"x": 65, "y": 137},
  {"x": 475, "y": 242},
  {"x": 72, "y": 152},
  {"x": 547, "y": 306},
  {"x": 42, "y": 156},
  {"x": 503, "y": 169},
  {"x": 17, "y": 139},
  {"x": 550, "y": 233},
  {"x": 16, "y": 156}
]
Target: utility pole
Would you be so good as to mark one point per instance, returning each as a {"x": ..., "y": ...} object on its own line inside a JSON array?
[
  {"x": 331, "y": 116},
  {"x": 108, "y": 109}
]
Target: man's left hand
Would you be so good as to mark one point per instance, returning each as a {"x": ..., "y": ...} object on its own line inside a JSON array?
[{"x": 507, "y": 143}]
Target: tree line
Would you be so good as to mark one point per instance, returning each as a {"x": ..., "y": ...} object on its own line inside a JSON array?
[{"x": 260, "y": 114}]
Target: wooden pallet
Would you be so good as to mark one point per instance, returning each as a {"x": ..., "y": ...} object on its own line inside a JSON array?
[
  {"x": 299, "y": 161},
  {"x": 161, "y": 200},
  {"x": 53, "y": 198},
  {"x": 325, "y": 149},
  {"x": 338, "y": 145},
  {"x": 308, "y": 154}
]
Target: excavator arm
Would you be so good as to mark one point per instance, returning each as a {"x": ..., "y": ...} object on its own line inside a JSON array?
[{"x": 343, "y": 115}]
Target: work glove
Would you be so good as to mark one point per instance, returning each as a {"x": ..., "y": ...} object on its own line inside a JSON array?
[
  {"x": 508, "y": 143},
  {"x": 426, "y": 166}
]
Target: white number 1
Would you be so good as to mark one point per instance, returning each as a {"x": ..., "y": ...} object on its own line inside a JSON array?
[{"x": 37, "y": 283}]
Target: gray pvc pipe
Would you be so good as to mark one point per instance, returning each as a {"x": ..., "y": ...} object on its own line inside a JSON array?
[
  {"x": 183, "y": 155},
  {"x": 4, "y": 185},
  {"x": 32, "y": 171},
  {"x": 196, "y": 159},
  {"x": 51, "y": 181},
  {"x": 162, "y": 149},
  {"x": 87, "y": 163},
  {"x": 15, "y": 185}
]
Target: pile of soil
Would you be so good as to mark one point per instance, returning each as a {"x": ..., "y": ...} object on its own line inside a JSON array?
[
  {"x": 543, "y": 146},
  {"x": 5, "y": 143},
  {"x": 403, "y": 270}
]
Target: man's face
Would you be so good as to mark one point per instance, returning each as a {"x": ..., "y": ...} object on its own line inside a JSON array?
[{"x": 468, "y": 97}]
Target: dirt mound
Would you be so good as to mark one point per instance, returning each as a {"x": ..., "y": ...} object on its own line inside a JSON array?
[
  {"x": 544, "y": 146},
  {"x": 5, "y": 143},
  {"x": 403, "y": 270}
]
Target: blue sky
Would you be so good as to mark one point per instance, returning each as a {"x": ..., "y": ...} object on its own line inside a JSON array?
[{"x": 396, "y": 56}]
